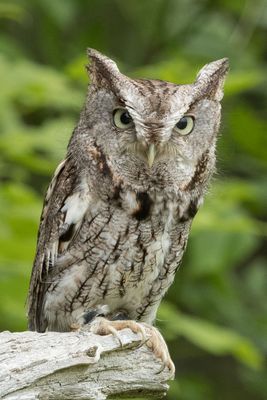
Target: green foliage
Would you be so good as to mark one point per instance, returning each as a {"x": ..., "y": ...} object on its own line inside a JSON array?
[
  {"x": 207, "y": 336},
  {"x": 215, "y": 314}
]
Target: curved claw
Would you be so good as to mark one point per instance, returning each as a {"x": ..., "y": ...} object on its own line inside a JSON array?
[{"x": 150, "y": 336}]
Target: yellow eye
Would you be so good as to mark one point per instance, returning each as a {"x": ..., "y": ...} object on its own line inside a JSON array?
[
  {"x": 185, "y": 125},
  {"x": 122, "y": 118}
]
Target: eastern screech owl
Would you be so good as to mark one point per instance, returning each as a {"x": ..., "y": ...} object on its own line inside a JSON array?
[{"x": 118, "y": 211}]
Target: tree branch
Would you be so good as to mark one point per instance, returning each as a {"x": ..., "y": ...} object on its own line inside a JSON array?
[{"x": 78, "y": 366}]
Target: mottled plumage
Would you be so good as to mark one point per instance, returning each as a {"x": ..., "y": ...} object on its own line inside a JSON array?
[{"x": 118, "y": 211}]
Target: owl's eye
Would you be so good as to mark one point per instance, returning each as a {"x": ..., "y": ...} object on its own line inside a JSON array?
[
  {"x": 185, "y": 125},
  {"x": 122, "y": 118}
]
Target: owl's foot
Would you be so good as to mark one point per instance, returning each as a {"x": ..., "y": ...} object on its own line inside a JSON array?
[
  {"x": 102, "y": 326},
  {"x": 150, "y": 336},
  {"x": 159, "y": 347}
]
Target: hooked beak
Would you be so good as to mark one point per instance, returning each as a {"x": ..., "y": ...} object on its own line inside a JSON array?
[{"x": 151, "y": 154}]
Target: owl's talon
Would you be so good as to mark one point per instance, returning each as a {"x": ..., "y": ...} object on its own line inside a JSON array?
[
  {"x": 159, "y": 347},
  {"x": 161, "y": 369},
  {"x": 114, "y": 332},
  {"x": 103, "y": 326},
  {"x": 75, "y": 327},
  {"x": 150, "y": 336}
]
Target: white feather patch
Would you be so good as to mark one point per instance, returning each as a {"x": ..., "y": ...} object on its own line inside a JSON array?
[{"x": 77, "y": 204}]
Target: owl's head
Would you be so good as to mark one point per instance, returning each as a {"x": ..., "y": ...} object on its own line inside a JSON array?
[{"x": 154, "y": 133}]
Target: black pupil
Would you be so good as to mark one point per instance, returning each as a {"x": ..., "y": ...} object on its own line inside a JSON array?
[
  {"x": 182, "y": 124},
  {"x": 125, "y": 118}
]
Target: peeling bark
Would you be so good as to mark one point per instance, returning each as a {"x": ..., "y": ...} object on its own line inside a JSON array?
[{"x": 78, "y": 366}]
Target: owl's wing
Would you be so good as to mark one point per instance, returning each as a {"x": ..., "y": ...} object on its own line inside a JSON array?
[{"x": 65, "y": 205}]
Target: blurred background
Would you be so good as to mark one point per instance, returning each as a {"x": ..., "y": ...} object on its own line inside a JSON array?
[{"x": 215, "y": 314}]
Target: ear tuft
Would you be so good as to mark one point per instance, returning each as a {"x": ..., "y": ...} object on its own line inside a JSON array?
[
  {"x": 210, "y": 79},
  {"x": 101, "y": 68}
]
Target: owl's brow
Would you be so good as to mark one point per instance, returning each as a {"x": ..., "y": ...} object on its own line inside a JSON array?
[
  {"x": 123, "y": 102},
  {"x": 194, "y": 102}
]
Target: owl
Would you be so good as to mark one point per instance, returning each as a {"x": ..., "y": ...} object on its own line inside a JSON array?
[{"x": 118, "y": 211}]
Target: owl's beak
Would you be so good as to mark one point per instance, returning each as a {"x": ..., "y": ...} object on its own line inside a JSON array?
[{"x": 151, "y": 154}]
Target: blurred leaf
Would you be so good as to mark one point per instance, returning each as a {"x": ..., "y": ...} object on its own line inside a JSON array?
[
  {"x": 208, "y": 336},
  {"x": 225, "y": 209},
  {"x": 12, "y": 10},
  {"x": 240, "y": 81},
  {"x": 76, "y": 69},
  {"x": 39, "y": 149},
  {"x": 244, "y": 123},
  {"x": 61, "y": 11},
  {"x": 19, "y": 214},
  {"x": 177, "y": 70}
]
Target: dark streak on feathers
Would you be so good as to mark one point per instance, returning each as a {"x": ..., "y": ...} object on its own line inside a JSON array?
[
  {"x": 67, "y": 235},
  {"x": 190, "y": 212},
  {"x": 144, "y": 206},
  {"x": 199, "y": 171}
]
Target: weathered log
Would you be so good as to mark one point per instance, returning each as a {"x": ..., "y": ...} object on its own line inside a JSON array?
[{"x": 78, "y": 365}]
